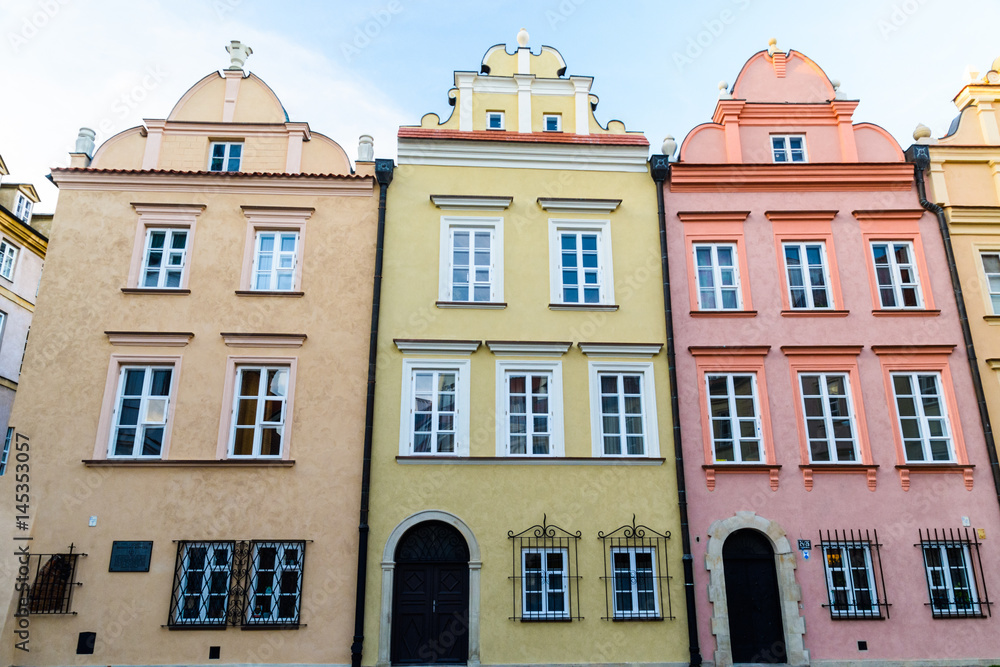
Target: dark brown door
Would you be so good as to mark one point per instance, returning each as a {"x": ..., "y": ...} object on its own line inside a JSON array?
[
  {"x": 755, "y": 627},
  {"x": 430, "y": 608}
]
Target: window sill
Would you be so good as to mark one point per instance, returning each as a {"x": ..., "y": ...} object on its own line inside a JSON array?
[
  {"x": 711, "y": 470},
  {"x": 150, "y": 290},
  {"x": 906, "y": 312},
  {"x": 965, "y": 469},
  {"x": 489, "y": 305},
  {"x": 268, "y": 293},
  {"x": 723, "y": 313},
  {"x": 814, "y": 312},
  {"x": 991, "y": 319},
  {"x": 272, "y": 626},
  {"x": 545, "y": 620},
  {"x": 808, "y": 470},
  {"x": 531, "y": 461},
  {"x": 193, "y": 626},
  {"x": 189, "y": 463},
  {"x": 583, "y": 306},
  {"x": 640, "y": 619}
]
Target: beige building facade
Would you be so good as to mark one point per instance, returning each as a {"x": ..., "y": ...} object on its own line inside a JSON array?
[{"x": 193, "y": 406}]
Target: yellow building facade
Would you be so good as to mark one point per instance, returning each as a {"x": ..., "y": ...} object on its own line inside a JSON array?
[
  {"x": 523, "y": 499},
  {"x": 963, "y": 179},
  {"x": 192, "y": 410}
]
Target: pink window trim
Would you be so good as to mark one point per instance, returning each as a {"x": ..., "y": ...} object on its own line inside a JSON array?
[
  {"x": 273, "y": 219},
  {"x": 162, "y": 216},
  {"x": 806, "y": 227},
  {"x": 716, "y": 227},
  {"x": 895, "y": 226},
  {"x": 104, "y": 424},
  {"x": 226, "y": 419}
]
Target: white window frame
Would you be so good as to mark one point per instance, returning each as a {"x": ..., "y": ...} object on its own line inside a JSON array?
[
  {"x": 463, "y": 369},
  {"x": 991, "y": 279},
  {"x": 167, "y": 253},
  {"x": 274, "y": 597},
  {"x": 922, "y": 418},
  {"x": 545, "y": 574},
  {"x": 786, "y": 148},
  {"x": 8, "y": 259},
  {"x": 262, "y": 398},
  {"x": 3, "y": 327},
  {"x": 226, "y": 157},
  {"x": 897, "y": 285},
  {"x": 496, "y": 114},
  {"x": 605, "y": 264},
  {"x": 804, "y": 267},
  {"x": 451, "y": 224},
  {"x": 210, "y": 566},
  {"x": 145, "y": 399},
  {"x": 545, "y": 122},
  {"x": 277, "y": 256},
  {"x": 6, "y": 450},
  {"x": 635, "y": 613},
  {"x": 717, "y": 285},
  {"x": 734, "y": 419},
  {"x": 946, "y": 583},
  {"x": 649, "y": 407},
  {"x": 853, "y": 609},
  {"x": 22, "y": 207},
  {"x": 828, "y": 417},
  {"x": 556, "y": 428}
]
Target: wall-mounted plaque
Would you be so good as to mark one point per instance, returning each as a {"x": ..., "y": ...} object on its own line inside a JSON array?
[
  {"x": 130, "y": 556},
  {"x": 805, "y": 544}
]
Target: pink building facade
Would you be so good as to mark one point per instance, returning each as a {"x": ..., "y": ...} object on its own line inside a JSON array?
[{"x": 841, "y": 501}]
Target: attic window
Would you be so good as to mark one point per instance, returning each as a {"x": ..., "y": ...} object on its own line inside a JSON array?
[
  {"x": 552, "y": 122},
  {"x": 494, "y": 120},
  {"x": 788, "y": 147},
  {"x": 22, "y": 208},
  {"x": 225, "y": 156}
]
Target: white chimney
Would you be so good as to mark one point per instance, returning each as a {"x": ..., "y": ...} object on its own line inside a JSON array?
[{"x": 85, "y": 142}]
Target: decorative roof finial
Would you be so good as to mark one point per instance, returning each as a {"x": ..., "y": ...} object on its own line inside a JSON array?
[
  {"x": 522, "y": 38},
  {"x": 238, "y": 54},
  {"x": 921, "y": 132},
  {"x": 838, "y": 94},
  {"x": 669, "y": 146},
  {"x": 724, "y": 93},
  {"x": 772, "y": 46}
]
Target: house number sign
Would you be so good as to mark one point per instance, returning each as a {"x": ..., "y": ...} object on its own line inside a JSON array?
[
  {"x": 805, "y": 545},
  {"x": 130, "y": 556}
]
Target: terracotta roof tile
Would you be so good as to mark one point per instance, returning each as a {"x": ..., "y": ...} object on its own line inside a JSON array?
[{"x": 176, "y": 172}]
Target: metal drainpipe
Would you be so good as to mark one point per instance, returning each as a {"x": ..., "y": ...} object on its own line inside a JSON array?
[
  {"x": 383, "y": 174},
  {"x": 660, "y": 170},
  {"x": 920, "y": 156}
]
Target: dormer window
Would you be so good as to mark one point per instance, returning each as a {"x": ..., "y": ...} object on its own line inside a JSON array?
[
  {"x": 225, "y": 156},
  {"x": 22, "y": 208},
  {"x": 494, "y": 120},
  {"x": 788, "y": 147},
  {"x": 552, "y": 122}
]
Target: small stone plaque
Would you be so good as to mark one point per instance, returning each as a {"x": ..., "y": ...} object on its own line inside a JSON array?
[
  {"x": 130, "y": 556},
  {"x": 805, "y": 544}
]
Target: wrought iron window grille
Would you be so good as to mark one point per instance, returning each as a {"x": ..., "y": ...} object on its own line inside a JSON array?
[
  {"x": 855, "y": 583},
  {"x": 253, "y": 584},
  {"x": 546, "y": 580},
  {"x": 635, "y": 574},
  {"x": 53, "y": 578},
  {"x": 956, "y": 583}
]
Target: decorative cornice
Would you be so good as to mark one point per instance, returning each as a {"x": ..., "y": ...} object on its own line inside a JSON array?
[
  {"x": 201, "y": 182},
  {"x": 566, "y": 205},
  {"x": 712, "y": 216},
  {"x": 800, "y": 216},
  {"x": 150, "y": 338},
  {"x": 889, "y": 215},
  {"x": 726, "y": 351},
  {"x": 913, "y": 349},
  {"x": 647, "y": 350},
  {"x": 464, "y": 152},
  {"x": 810, "y": 177},
  {"x": 974, "y": 215},
  {"x": 825, "y": 350},
  {"x": 507, "y": 136},
  {"x": 471, "y": 202},
  {"x": 189, "y": 463},
  {"x": 168, "y": 211},
  {"x": 24, "y": 235},
  {"x": 532, "y": 348},
  {"x": 233, "y": 339},
  {"x": 431, "y": 346}
]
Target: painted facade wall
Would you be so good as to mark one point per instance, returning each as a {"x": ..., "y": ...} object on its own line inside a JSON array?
[
  {"x": 851, "y": 190},
  {"x": 963, "y": 181},
  {"x": 483, "y": 489},
  {"x": 95, "y": 316}
]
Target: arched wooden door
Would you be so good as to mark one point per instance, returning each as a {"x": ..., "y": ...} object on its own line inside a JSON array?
[
  {"x": 430, "y": 598},
  {"x": 755, "y": 628}
]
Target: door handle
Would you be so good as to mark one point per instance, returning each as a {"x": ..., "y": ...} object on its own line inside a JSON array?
[{"x": 434, "y": 606}]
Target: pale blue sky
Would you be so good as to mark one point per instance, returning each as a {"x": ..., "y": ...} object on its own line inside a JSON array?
[{"x": 353, "y": 67}]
